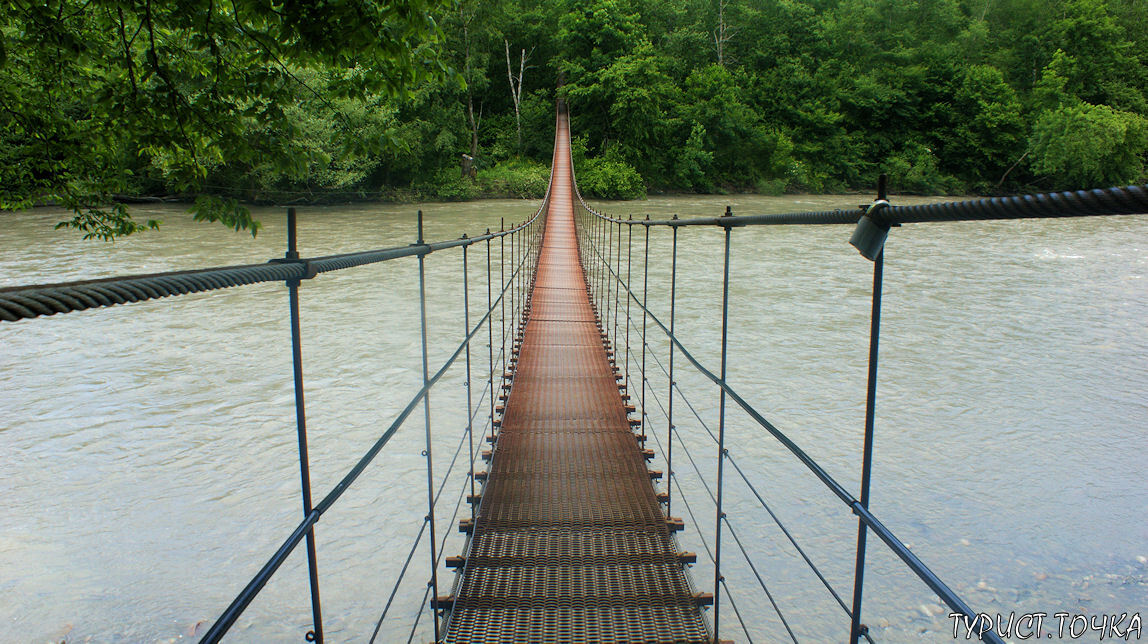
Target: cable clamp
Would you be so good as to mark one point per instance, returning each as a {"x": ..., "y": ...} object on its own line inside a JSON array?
[{"x": 309, "y": 270}]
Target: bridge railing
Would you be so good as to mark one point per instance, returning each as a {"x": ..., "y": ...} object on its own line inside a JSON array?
[
  {"x": 609, "y": 261},
  {"x": 514, "y": 275},
  {"x": 514, "y": 249}
]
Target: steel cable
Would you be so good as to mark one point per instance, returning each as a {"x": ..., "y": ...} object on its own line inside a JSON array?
[
  {"x": 757, "y": 495},
  {"x": 24, "y": 302},
  {"x": 696, "y": 469},
  {"x": 1119, "y": 200},
  {"x": 753, "y": 568},
  {"x": 693, "y": 519},
  {"x": 414, "y": 547},
  {"x": 866, "y": 516},
  {"x": 399, "y": 581},
  {"x": 241, "y": 601},
  {"x": 729, "y": 596},
  {"x": 733, "y": 532}
]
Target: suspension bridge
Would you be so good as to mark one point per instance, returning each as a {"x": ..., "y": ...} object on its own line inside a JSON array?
[{"x": 570, "y": 535}]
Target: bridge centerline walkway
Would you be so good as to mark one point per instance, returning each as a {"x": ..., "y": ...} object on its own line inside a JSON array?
[{"x": 570, "y": 543}]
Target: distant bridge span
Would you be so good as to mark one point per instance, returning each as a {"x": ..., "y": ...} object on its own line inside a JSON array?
[{"x": 570, "y": 543}]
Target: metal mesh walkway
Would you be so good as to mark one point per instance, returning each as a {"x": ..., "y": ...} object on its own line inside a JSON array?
[{"x": 570, "y": 544}]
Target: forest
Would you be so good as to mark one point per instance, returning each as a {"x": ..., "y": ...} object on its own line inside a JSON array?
[{"x": 231, "y": 102}]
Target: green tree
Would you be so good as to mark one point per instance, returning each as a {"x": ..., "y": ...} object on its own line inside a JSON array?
[
  {"x": 745, "y": 149},
  {"x": 89, "y": 89},
  {"x": 1099, "y": 64},
  {"x": 1088, "y": 146},
  {"x": 987, "y": 131}
]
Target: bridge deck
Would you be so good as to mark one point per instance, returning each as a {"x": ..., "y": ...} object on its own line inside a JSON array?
[{"x": 570, "y": 543}]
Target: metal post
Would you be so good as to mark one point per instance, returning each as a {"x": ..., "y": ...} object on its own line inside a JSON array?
[
  {"x": 629, "y": 258},
  {"x": 513, "y": 288},
  {"x": 591, "y": 254},
  {"x": 502, "y": 286},
  {"x": 583, "y": 244},
  {"x": 301, "y": 429},
  {"x": 721, "y": 453},
  {"x": 426, "y": 419},
  {"x": 607, "y": 276},
  {"x": 584, "y": 249},
  {"x": 645, "y": 291},
  {"x": 469, "y": 387},
  {"x": 670, "y": 400},
  {"x": 856, "y": 628},
  {"x": 516, "y": 253},
  {"x": 603, "y": 285},
  {"x": 519, "y": 263},
  {"x": 603, "y": 272},
  {"x": 617, "y": 293},
  {"x": 519, "y": 276},
  {"x": 490, "y": 329},
  {"x": 589, "y": 234}
]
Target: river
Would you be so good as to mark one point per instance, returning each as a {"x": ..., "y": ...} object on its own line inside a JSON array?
[{"x": 150, "y": 461}]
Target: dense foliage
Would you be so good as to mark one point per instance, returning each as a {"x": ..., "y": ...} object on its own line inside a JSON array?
[
  {"x": 99, "y": 97},
  {"x": 260, "y": 101}
]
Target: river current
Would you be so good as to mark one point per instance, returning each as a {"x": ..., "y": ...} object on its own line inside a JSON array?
[{"x": 150, "y": 462}]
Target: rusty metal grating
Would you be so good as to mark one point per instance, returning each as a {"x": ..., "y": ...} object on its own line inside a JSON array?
[{"x": 570, "y": 542}]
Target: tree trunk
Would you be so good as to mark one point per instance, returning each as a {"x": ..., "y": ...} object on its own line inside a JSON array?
[
  {"x": 469, "y": 93},
  {"x": 516, "y": 88}
]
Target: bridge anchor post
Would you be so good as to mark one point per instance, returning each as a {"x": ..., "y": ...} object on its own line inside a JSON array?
[
  {"x": 858, "y": 630},
  {"x": 292, "y": 254}
]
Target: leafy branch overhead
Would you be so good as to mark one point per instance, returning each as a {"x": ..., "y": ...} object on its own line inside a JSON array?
[{"x": 91, "y": 91}]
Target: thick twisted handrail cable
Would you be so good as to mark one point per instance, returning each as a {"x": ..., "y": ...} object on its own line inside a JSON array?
[
  {"x": 24, "y": 302},
  {"x": 1119, "y": 200},
  {"x": 923, "y": 572},
  {"x": 30, "y": 301}
]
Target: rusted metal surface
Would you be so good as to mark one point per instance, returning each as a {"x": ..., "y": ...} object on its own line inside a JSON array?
[{"x": 570, "y": 542}]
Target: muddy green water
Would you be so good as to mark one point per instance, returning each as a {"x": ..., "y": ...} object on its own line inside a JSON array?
[{"x": 149, "y": 458}]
